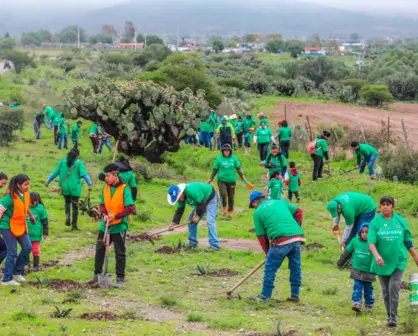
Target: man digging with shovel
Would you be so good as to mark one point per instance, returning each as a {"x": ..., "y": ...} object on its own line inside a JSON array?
[{"x": 116, "y": 204}]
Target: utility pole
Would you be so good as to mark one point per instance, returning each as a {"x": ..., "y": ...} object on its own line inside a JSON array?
[
  {"x": 177, "y": 44},
  {"x": 145, "y": 40},
  {"x": 78, "y": 37},
  {"x": 135, "y": 38}
]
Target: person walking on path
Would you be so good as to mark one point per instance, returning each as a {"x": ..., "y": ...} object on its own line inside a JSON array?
[
  {"x": 360, "y": 270},
  {"x": 293, "y": 182},
  {"x": 75, "y": 133},
  {"x": 3, "y": 248},
  {"x": 249, "y": 122},
  {"x": 70, "y": 171},
  {"x": 207, "y": 128},
  {"x": 56, "y": 123},
  {"x": 262, "y": 118},
  {"x": 14, "y": 207},
  {"x": 225, "y": 166},
  {"x": 226, "y": 133},
  {"x": 356, "y": 209},
  {"x": 104, "y": 140},
  {"x": 37, "y": 124},
  {"x": 39, "y": 230},
  {"x": 116, "y": 204},
  {"x": 284, "y": 134},
  {"x": 369, "y": 154},
  {"x": 319, "y": 153},
  {"x": 202, "y": 197},
  {"x": 62, "y": 131},
  {"x": 280, "y": 236},
  {"x": 262, "y": 138},
  {"x": 275, "y": 185},
  {"x": 50, "y": 116},
  {"x": 247, "y": 141},
  {"x": 389, "y": 239},
  {"x": 275, "y": 161},
  {"x": 233, "y": 120},
  {"x": 94, "y": 138},
  {"x": 239, "y": 131}
]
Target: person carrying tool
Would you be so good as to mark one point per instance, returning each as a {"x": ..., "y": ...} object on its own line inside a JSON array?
[
  {"x": 116, "y": 204},
  {"x": 94, "y": 137},
  {"x": 293, "y": 182},
  {"x": 356, "y": 209},
  {"x": 226, "y": 133},
  {"x": 225, "y": 166},
  {"x": 202, "y": 197},
  {"x": 318, "y": 149},
  {"x": 369, "y": 154},
  {"x": 104, "y": 140},
  {"x": 75, "y": 133},
  {"x": 37, "y": 123},
  {"x": 39, "y": 230},
  {"x": 280, "y": 236},
  {"x": 262, "y": 138},
  {"x": 50, "y": 116},
  {"x": 360, "y": 270},
  {"x": 284, "y": 134},
  {"x": 70, "y": 171},
  {"x": 275, "y": 161}
]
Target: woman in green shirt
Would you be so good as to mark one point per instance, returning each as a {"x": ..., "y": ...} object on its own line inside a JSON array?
[
  {"x": 389, "y": 239},
  {"x": 284, "y": 134},
  {"x": 262, "y": 138},
  {"x": 70, "y": 171},
  {"x": 225, "y": 166}
]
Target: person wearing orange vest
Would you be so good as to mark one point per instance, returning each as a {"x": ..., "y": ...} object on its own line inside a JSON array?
[
  {"x": 116, "y": 204},
  {"x": 14, "y": 207}
]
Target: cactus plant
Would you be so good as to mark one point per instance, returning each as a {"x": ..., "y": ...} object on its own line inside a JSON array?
[{"x": 147, "y": 118}]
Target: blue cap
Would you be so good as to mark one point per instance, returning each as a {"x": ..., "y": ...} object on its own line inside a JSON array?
[
  {"x": 255, "y": 195},
  {"x": 223, "y": 119},
  {"x": 174, "y": 192}
]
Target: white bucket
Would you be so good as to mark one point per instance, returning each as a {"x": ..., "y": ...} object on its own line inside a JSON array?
[{"x": 413, "y": 289}]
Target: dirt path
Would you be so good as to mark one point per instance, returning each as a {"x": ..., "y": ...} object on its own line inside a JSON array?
[
  {"x": 236, "y": 244},
  {"x": 346, "y": 115}
]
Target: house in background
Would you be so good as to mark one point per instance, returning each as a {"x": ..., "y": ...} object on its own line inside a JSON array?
[
  {"x": 314, "y": 52},
  {"x": 129, "y": 45}
]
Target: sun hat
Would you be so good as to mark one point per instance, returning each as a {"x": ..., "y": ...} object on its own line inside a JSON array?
[{"x": 174, "y": 193}]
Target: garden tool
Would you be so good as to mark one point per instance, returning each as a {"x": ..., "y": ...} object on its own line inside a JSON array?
[
  {"x": 342, "y": 171},
  {"x": 329, "y": 171},
  {"x": 337, "y": 235},
  {"x": 105, "y": 280},
  {"x": 255, "y": 269}
]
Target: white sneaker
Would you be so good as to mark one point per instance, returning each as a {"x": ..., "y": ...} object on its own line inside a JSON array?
[
  {"x": 19, "y": 278},
  {"x": 10, "y": 283}
]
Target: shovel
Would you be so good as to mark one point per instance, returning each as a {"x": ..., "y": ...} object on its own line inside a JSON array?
[
  {"x": 337, "y": 235},
  {"x": 105, "y": 280},
  {"x": 255, "y": 269}
]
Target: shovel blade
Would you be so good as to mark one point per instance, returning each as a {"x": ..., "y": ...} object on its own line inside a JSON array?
[{"x": 105, "y": 281}]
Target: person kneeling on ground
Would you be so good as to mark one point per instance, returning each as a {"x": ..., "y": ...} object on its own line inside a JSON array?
[
  {"x": 369, "y": 154},
  {"x": 116, "y": 204},
  {"x": 280, "y": 236},
  {"x": 360, "y": 271},
  {"x": 202, "y": 197}
]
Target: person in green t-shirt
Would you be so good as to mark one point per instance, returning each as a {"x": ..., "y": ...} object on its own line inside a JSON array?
[
  {"x": 321, "y": 152},
  {"x": 389, "y": 239},
  {"x": 94, "y": 137},
  {"x": 15, "y": 104},
  {"x": 75, "y": 133},
  {"x": 50, "y": 116},
  {"x": 39, "y": 230},
  {"x": 62, "y": 131},
  {"x": 116, "y": 204},
  {"x": 293, "y": 182},
  {"x": 360, "y": 270},
  {"x": 262, "y": 118},
  {"x": 70, "y": 171},
  {"x": 284, "y": 134},
  {"x": 3, "y": 248},
  {"x": 247, "y": 140},
  {"x": 225, "y": 133},
  {"x": 356, "y": 209},
  {"x": 280, "y": 236},
  {"x": 225, "y": 166},
  {"x": 239, "y": 131},
  {"x": 207, "y": 128},
  {"x": 275, "y": 185},
  {"x": 275, "y": 161},
  {"x": 56, "y": 123},
  {"x": 369, "y": 154},
  {"x": 262, "y": 138},
  {"x": 233, "y": 120}
]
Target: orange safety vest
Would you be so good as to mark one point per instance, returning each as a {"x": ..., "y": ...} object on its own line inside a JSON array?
[
  {"x": 114, "y": 204},
  {"x": 18, "y": 225}
]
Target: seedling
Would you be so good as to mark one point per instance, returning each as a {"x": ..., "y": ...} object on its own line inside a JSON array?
[
  {"x": 61, "y": 312},
  {"x": 203, "y": 270}
]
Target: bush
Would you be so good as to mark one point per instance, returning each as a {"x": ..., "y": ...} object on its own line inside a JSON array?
[
  {"x": 10, "y": 121},
  {"x": 403, "y": 86},
  {"x": 194, "y": 317},
  {"x": 19, "y": 59},
  {"x": 117, "y": 58},
  {"x": 376, "y": 95},
  {"x": 232, "y": 82},
  {"x": 399, "y": 164},
  {"x": 355, "y": 84},
  {"x": 286, "y": 87},
  {"x": 346, "y": 95},
  {"x": 257, "y": 83},
  {"x": 153, "y": 66}
]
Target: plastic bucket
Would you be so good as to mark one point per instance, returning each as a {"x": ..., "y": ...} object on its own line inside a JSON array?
[{"x": 413, "y": 289}]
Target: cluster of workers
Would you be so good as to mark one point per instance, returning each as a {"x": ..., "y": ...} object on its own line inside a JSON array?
[{"x": 377, "y": 244}]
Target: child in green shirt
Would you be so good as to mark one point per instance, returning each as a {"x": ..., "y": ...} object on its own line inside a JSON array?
[
  {"x": 294, "y": 181},
  {"x": 247, "y": 141},
  {"x": 275, "y": 186},
  {"x": 75, "y": 132}
]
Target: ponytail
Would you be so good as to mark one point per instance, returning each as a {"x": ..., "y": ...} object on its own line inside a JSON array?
[
  {"x": 72, "y": 156},
  {"x": 35, "y": 197},
  {"x": 13, "y": 184}
]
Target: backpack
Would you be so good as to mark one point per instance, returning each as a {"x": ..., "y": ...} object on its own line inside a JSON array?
[{"x": 312, "y": 147}]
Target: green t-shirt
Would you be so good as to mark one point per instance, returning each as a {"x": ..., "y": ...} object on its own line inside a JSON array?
[
  {"x": 278, "y": 161},
  {"x": 362, "y": 257},
  {"x": 63, "y": 126},
  {"x": 285, "y": 133},
  {"x": 43, "y": 119},
  {"x": 274, "y": 218},
  {"x": 75, "y": 132},
  {"x": 248, "y": 136},
  {"x": 389, "y": 236},
  {"x": 353, "y": 205},
  {"x": 94, "y": 129},
  {"x": 7, "y": 202},
  {"x": 208, "y": 126},
  {"x": 49, "y": 113},
  {"x": 249, "y": 123},
  {"x": 226, "y": 167},
  {"x": 365, "y": 150},
  {"x": 275, "y": 186},
  {"x": 294, "y": 182},
  {"x": 14, "y": 106},
  {"x": 127, "y": 200},
  {"x": 72, "y": 185},
  {"x": 195, "y": 193},
  {"x": 233, "y": 122},
  {"x": 265, "y": 120},
  {"x": 57, "y": 119},
  {"x": 129, "y": 178},
  {"x": 36, "y": 230},
  {"x": 263, "y": 135},
  {"x": 321, "y": 147},
  {"x": 239, "y": 127}
]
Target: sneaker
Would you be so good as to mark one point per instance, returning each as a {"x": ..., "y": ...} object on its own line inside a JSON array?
[
  {"x": 230, "y": 213},
  {"x": 373, "y": 177},
  {"x": 298, "y": 200},
  {"x": 293, "y": 299},
  {"x": 75, "y": 229},
  {"x": 258, "y": 298},
  {"x": 67, "y": 222},
  {"x": 35, "y": 269},
  {"x": 261, "y": 162},
  {"x": 356, "y": 307},
  {"x": 392, "y": 321},
  {"x": 119, "y": 283},
  {"x": 10, "y": 283},
  {"x": 19, "y": 278},
  {"x": 94, "y": 280},
  {"x": 211, "y": 249},
  {"x": 369, "y": 307},
  {"x": 93, "y": 153}
]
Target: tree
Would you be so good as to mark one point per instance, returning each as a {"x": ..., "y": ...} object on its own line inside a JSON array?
[
  {"x": 274, "y": 46},
  {"x": 19, "y": 59},
  {"x": 277, "y": 36},
  {"x": 232, "y": 43},
  {"x": 10, "y": 121},
  {"x": 376, "y": 95},
  {"x": 321, "y": 69},
  {"x": 294, "y": 47},
  {"x": 45, "y": 35},
  {"x": 333, "y": 45},
  {"x": 6, "y": 35},
  {"x": 8, "y": 43},
  {"x": 70, "y": 34},
  {"x": 109, "y": 30},
  {"x": 31, "y": 38},
  {"x": 140, "y": 38},
  {"x": 153, "y": 39},
  {"x": 129, "y": 32},
  {"x": 315, "y": 42},
  {"x": 251, "y": 38},
  {"x": 218, "y": 44},
  {"x": 354, "y": 38},
  {"x": 100, "y": 38}
]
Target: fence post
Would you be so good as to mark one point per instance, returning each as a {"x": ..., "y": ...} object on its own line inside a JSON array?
[
  {"x": 285, "y": 112},
  {"x": 405, "y": 135},
  {"x": 310, "y": 129},
  {"x": 361, "y": 128},
  {"x": 388, "y": 131}
]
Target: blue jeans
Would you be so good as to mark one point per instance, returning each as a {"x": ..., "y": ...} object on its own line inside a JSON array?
[
  {"x": 275, "y": 258},
  {"x": 49, "y": 125},
  {"x": 363, "y": 218},
  {"x": 3, "y": 250},
  {"x": 358, "y": 289},
  {"x": 63, "y": 137},
  {"x": 105, "y": 142},
  {"x": 205, "y": 139},
  {"x": 211, "y": 220},
  {"x": 15, "y": 264},
  {"x": 369, "y": 160}
]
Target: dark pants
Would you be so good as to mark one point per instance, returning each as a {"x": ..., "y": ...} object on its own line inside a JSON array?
[
  {"x": 227, "y": 191},
  {"x": 37, "y": 128},
  {"x": 3, "y": 250},
  {"x": 56, "y": 135},
  {"x": 391, "y": 288},
  {"x": 95, "y": 143},
  {"x": 263, "y": 149},
  {"x": 240, "y": 138},
  {"x": 284, "y": 145},
  {"x": 358, "y": 289},
  {"x": 224, "y": 140},
  {"x": 205, "y": 139},
  {"x": 118, "y": 241},
  {"x": 75, "y": 142},
  {"x": 318, "y": 167},
  {"x": 71, "y": 202},
  {"x": 291, "y": 193},
  {"x": 358, "y": 222},
  {"x": 15, "y": 263}
]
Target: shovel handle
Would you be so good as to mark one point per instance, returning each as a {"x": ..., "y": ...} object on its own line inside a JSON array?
[
  {"x": 168, "y": 229},
  {"x": 255, "y": 269}
]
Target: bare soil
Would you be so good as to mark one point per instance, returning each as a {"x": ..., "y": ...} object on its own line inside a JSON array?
[
  {"x": 222, "y": 273},
  {"x": 66, "y": 285},
  {"x": 347, "y": 115},
  {"x": 251, "y": 230},
  {"x": 315, "y": 246},
  {"x": 236, "y": 244},
  {"x": 100, "y": 316},
  {"x": 168, "y": 250},
  {"x": 285, "y": 333},
  {"x": 138, "y": 238}
]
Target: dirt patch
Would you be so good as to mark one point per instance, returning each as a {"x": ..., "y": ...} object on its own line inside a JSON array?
[
  {"x": 168, "y": 250},
  {"x": 285, "y": 333},
  {"x": 140, "y": 237},
  {"x": 86, "y": 252},
  {"x": 314, "y": 246},
  {"x": 405, "y": 286},
  {"x": 44, "y": 266},
  {"x": 222, "y": 273},
  {"x": 100, "y": 316},
  {"x": 65, "y": 285},
  {"x": 236, "y": 244},
  {"x": 251, "y": 230}
]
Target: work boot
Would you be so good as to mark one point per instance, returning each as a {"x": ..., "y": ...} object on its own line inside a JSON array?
[
  {"x": 392, "y": 321},
  {"x": 224, "y": 211},
  {"x": 94, "y": 280},
  {"x": 293, "y": 299},
  {"x": 369, "y": 307},
  {"x": 119, "y": 283},
  {"x": 356, "y": 307},
  {"x": 373, "y": 177},
  {"x": 230, "y": 213},
  {"x": 258, "y": 298},
  {"x": 68, "y": 222},
  {"x": 298, "y": 200},
  {"x": 35, "y": 264}
]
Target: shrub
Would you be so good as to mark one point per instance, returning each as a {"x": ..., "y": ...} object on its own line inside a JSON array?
[
  {"x": 399, "y": 164},
  {"x": 346, "y": 95},
  {"x": 232, "y": 82},
  {"x": 286, "y": 87},
  {"x": 19, "y": 59},
  {"x": 403, "y": 86},
  {"x": 117, "y": 58},
  {"x": 10, "y": 121},
  {"x": 194, "y": 317},
  {"x": 355, "y": 83},
  {"x": 168, "y": 301},
  {"x": 257, "y": 83},
  {"x": 153, "y": 66},
  {"x": 376, "y": 95}
]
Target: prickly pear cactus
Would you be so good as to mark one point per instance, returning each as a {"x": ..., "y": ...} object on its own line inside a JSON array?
[{"x": 147, "y": 119}]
